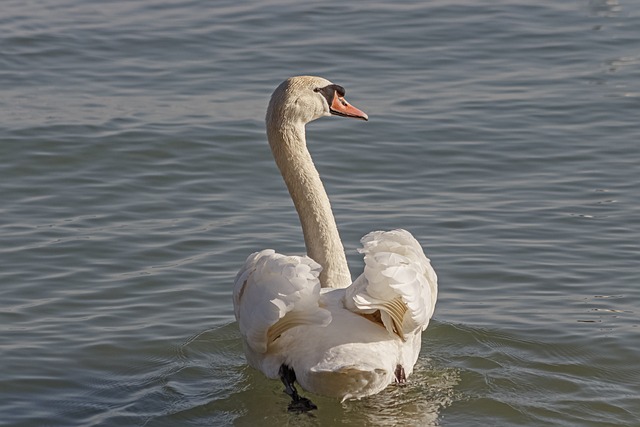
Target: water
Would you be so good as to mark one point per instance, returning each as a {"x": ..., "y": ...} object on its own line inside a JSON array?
[{"x": 135, "y": 179}]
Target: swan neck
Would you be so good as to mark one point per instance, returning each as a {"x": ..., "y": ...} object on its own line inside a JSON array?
[{"x": 321, "y": 237}]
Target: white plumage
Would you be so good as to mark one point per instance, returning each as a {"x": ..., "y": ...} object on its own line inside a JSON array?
[
  {"x": 332, "y": 337},
  {"x": 398, "y": 279},
  {"x": 274, "y": 293},
  {"x": 342, "y": 339}
]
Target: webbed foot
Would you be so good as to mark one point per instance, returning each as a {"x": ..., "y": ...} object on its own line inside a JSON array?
[
  {"x": 298, "y": 404},
  {"x": 301, "y": 405}
]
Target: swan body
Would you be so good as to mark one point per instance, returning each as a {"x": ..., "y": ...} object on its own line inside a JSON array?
[{"x": 342, "y": 339}]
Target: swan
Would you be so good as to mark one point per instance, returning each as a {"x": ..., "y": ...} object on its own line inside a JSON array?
[{"x": 301, "y": 318}]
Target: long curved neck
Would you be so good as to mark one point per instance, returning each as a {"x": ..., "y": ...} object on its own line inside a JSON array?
[{"x": 321, "y": 235}]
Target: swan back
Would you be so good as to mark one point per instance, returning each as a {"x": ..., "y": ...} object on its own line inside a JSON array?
[{"x": 398, "y": 283}]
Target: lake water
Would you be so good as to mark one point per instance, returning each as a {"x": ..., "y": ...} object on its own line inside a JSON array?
[{"x": 135, "y": 179}]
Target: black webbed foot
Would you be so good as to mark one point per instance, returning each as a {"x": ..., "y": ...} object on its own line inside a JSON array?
[
  {"x": 301, "y": 405},
  {"x": 298, "y": 404}
]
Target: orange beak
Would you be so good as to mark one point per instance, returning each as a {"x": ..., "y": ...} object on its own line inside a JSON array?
[{"x": 340, "y": 107}]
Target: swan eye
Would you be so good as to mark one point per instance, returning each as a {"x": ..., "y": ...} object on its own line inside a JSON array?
[{"x": 330, "y": 92}]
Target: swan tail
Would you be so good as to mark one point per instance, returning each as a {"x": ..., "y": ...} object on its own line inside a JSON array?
[
  {"x": 273, "y": 293},
  {"x": 348, "y": 382},
  {"x": 398, "y": 287}
]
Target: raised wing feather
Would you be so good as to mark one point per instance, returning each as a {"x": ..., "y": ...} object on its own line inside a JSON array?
[
  {"x": 398, "y": 283},
  {"x": 273, "y": 293}
]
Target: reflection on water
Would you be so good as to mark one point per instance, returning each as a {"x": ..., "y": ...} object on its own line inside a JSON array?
[
  {"x": 419, "y": 403},
  {"x": 239, "y": 395},
  {"x": 460, "y": 367},
  {"x": 604, "y": 7}
]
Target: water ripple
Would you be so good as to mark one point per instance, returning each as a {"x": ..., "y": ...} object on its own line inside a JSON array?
[{"x": 136, "y": 178}]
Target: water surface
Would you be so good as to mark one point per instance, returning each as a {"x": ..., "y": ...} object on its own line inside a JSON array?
[{"x": 135, "y": 178}]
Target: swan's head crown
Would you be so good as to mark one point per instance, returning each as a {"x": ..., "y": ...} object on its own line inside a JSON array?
[{"x": 303, "y": 99}]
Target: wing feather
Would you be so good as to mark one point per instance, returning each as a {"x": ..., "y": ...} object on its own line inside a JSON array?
[
  {"x": 274, "y": 293},
  {"x": 398, "y": 282}
]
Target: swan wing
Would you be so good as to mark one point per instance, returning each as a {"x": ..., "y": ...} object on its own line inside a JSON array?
[
  {"x": 273, "y": 293},
  {"x": 399, "y": 287}
]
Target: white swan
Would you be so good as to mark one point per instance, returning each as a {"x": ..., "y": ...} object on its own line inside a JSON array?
[{"x": 300, "y": 317}]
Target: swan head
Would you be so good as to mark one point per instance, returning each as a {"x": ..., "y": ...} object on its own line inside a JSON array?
[{"x": 302, "y": 99}]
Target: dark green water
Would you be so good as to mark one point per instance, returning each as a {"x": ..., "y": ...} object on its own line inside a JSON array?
[{"x": 135, "y": 178}]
